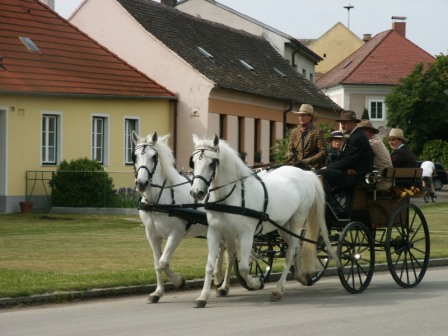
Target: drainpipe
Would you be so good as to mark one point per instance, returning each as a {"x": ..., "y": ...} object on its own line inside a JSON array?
[{"x": 284, "y": 118}]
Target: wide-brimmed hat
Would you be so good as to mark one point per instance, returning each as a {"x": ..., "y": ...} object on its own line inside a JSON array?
[
  {"x": 336, "y": 135},
  {"x": 397, "y": 133},
  {"x": 365, "y": 123},
  {"x": 347, "y": 116},
  {"x": 305, "y": 109}
]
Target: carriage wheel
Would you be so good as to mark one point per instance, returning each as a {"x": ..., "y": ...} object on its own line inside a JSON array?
[
  {"x": 407, "y": 245},
  {"x": 356, "y": 251},
  {"x": 261, "y": 260}
]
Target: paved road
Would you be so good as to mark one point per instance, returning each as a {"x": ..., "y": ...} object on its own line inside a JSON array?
[{"x": 324, "y": 309}]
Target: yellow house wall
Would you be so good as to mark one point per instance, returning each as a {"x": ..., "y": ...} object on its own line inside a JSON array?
[
  {"x": 334, "y": 46},
  {"x": 24, "y": 130}
]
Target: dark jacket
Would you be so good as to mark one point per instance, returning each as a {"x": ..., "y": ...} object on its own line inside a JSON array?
[
  {"x": 356, "y": 157},
  {"x": 403, "y": 158}
]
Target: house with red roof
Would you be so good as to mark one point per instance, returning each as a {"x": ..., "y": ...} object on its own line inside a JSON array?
[
  {"x": 63, "y": 96},
  {"x": 364, "y": 78}
]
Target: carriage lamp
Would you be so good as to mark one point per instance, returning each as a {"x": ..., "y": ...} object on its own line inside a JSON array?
[{"x": 373, "y": 177}]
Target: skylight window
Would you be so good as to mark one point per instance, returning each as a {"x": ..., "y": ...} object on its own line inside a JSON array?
[
  {"x": 205, "y": 52},
  {"x": 246, "y": 65},
  {"x": 29, "y": 44},
  {"x": 347, "y": 64},
  {"x": 278, "y": 72}
]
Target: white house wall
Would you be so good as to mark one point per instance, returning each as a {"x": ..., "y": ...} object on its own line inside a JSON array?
[{"x": 134, "y": 44}]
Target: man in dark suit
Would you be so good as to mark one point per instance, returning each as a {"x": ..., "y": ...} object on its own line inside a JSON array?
[{"x": 355, "y": 162}]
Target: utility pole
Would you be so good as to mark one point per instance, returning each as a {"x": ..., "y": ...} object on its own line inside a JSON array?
[{"x": 348, "y": 7}]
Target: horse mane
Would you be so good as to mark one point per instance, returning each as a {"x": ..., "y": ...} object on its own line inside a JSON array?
[
  {"x": 166, "y": 158},
  {"x": 235, "y": 167}
]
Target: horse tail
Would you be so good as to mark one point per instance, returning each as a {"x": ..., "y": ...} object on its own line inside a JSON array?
[{"x": 315, "y": 224}]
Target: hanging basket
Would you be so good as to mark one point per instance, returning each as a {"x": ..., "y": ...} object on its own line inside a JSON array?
[{"x": 26, "y": 207}]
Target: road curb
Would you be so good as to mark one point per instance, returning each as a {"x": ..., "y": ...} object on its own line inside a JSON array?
[{"x": 72, "y": 296}]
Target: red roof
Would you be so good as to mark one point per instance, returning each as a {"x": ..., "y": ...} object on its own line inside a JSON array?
[
  {"x": 384, "y": 60},
  {"x": 68, "y": 61}
]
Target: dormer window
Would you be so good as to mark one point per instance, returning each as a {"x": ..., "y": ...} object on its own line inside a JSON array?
[
  {"x": 246, "y": 65},
  {"x": 278, "y": 72},
  {"x": 31, "y": 46},
  {"x": 205, "y": 52}
]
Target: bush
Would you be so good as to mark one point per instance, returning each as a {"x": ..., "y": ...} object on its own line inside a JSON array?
[{"x": 81, "y": 183}]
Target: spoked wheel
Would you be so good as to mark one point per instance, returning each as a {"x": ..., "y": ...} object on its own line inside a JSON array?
[
  {"x": 407, "y": 246},
  {"x": 261, "y": 260},
  {"x": 356, "y": 251}
]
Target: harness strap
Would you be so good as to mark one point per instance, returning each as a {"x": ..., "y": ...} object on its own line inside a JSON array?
[{"x": 262, "y": 216}]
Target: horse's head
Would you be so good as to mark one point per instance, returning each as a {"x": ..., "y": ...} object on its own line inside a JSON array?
[
  {"x": 204, "y": 161},
  {"x": 145, "y": 158}
]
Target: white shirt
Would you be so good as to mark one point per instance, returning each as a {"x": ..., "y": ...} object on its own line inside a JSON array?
[{"x": 428, "y": 168}]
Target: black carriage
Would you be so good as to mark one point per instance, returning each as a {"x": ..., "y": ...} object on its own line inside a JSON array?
[{"x": 376, "y": 220}]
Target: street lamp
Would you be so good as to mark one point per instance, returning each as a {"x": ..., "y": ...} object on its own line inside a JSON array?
[{"x": 348, "y": 7}]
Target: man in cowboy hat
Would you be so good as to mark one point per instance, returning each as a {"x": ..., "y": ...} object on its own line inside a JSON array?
[
  {"x": 355, "y": 162},
  {"x": 401, "y": 156},
  {"x": 336, "y": 140},
  {"x": 306, "y": 148},
  {"x": 381, "y": 156}
]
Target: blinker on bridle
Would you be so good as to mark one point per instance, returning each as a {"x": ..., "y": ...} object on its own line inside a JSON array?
[
  {"x": 215, "y": 162},
  {"x": 143, "y": 152}
]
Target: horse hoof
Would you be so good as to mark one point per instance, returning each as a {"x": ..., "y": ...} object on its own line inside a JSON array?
[
  {"x": 183, "y": 284},
  {"x": 200, "y": 303},
  {"x": 222, "y": 292},
  {"x": 275, "y": 297},
  {"x": 154, "y": 299}
]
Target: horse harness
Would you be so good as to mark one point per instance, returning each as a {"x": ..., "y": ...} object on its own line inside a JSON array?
[
  {"x": 262, "y": 216},
  {"x": 172, "y": 209}
]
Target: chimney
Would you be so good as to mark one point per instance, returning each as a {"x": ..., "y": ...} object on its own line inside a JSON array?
[
  {"x": 169, "y": 3},
  {"x": 367, "y": 37},
  {"x": 399, "y": 25}
]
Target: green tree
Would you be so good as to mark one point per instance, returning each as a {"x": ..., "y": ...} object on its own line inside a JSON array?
[{"x": 419, "y": 104}]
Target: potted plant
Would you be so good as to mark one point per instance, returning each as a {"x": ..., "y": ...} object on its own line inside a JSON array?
[{"x": 26, "y": 206}]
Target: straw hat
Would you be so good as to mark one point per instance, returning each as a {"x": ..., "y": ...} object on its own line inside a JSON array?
[
  {"x": 305, "y": 109},
  {"x": 347, "y": 116},
  {"x": 365, "y": 123},
  {"x": 397, "y": 133}
]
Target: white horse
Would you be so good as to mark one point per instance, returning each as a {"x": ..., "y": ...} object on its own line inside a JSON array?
[
  {"x": 241, "y": 203},
  {"x": 162, "y": 188}
]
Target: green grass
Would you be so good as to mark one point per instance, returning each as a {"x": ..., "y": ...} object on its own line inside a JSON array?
[{"x": 44, "y": 253}]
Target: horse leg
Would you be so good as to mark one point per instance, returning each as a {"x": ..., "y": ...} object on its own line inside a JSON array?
[
  {"x": 246, "y": 243},
  {"x": 213, "y": 241},
  {"x": 292, "y": 242},
  {"x": 171, "y": 244},
  {"x": 156, "y": 245},
  {"x": 223, "y": 290},
  {"x": 217, "y": 274}
]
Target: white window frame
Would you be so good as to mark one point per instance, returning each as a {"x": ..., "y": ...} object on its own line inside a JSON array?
[
  {"x": 46, "y": 134},
  {"x": 128, "y": 143},
  {"x": 383, "y": 105},
  {"x": 104, "y": 146}
]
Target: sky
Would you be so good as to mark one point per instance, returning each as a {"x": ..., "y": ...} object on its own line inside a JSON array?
[{"x": 426, "y": 23}]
